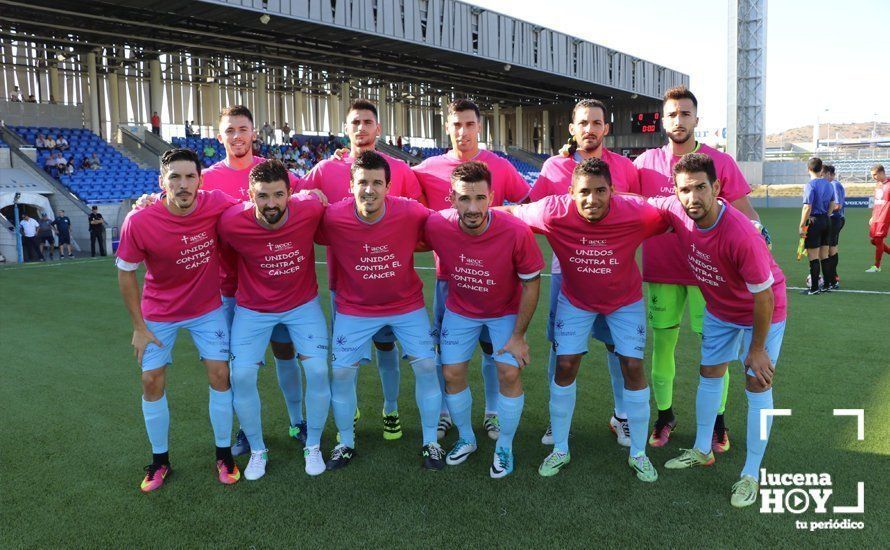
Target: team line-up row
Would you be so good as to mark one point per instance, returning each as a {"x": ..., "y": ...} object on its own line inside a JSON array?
[{"x": 245, "y": 230}]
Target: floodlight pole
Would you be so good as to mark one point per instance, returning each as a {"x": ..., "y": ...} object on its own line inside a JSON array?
[{"x": 18, "y": 229}]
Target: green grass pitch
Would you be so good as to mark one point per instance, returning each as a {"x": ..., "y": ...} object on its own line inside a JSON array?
[{"x": 74, "y": 442}]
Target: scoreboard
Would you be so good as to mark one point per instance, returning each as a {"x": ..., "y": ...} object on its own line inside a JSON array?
[{"x": 645, "y": 123}]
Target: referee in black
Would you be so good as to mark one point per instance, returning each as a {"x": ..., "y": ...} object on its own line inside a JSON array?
[
  {"x": 818, "y": 203},
  {"x": 832, "y": 281}
]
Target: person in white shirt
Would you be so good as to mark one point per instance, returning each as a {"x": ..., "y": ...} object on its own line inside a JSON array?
[{"x": 28, "y": 227}]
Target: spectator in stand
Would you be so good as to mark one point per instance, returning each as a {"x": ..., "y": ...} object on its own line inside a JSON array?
[
  {"x": 69, "y": 168},
  {"x": 399, "y": 142},
  {"x": 28, "y": 228},
  {"x": 86, "y": 164},
  {"x": 62, "y": 223},
  {"x": 15, "y": 95},
  {"x": 50, "y": 165},
  {"x": 45, "y": 237},
  {"x": 188, "y": 129},
  {"x": 31, "y": 99},
  {"x": 97, "y": 232},
  {"x": 285, "y": 133},
  {"x": 40, "y": 142},
  {"x": 62, "y": 143},
  {"x": 266, "y": 133},
  {"x": 209, "y": 152},
  {"x": 95, "y": 163},
  {"x": 49, "y": 142},
  {"x": 52, "y": 100},
  {"x": 155, "y": 126}
]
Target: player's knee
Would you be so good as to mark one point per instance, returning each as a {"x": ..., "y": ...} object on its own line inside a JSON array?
[
  {"x": 244, "y": 376},
  {"x": 508, "y": 376},
  {"x": 385, "y": 346},
  {"x": 424, "y": 366},
  {"x": 566, "y": 369},
  {"x": 632, "y": 370},
  {"x": 153, "y": 384},
  {"x": 455, "y": 379},
  {"x": 753, "y": 385},
  {"x": 218, "y": 375},
  {"x": 282, "y": 350}
]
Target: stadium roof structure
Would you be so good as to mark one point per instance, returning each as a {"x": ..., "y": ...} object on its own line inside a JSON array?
[{"x": 441, "y": 45}]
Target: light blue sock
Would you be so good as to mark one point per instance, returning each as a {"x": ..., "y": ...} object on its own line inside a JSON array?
[
  {"x": 428, "y": 396},
  {"x": 756, "y": 446},
  {"x": 344, "y": 401},
  {"x": 637, "y": 403},
  {"x": 318, "y": 397},
  {"x": 509, "y": 412},
  {"x": 246, "y": 398},
  {"x": 707, "y": 403},
  {"x": 390, "y": 376},
  {"x": 491, "y": 383},
  {"x": 551, "y": 365},
  {"x": 157, "y": 423},
  {"x": 562, "y": 406},
  {"x": 617, "y": 383},
  {"x": 461, "y": 406},
  {"x": 290, "y": 380},
  {"x": 221, "y": 417},
  {"x": 443, "y": 407}
]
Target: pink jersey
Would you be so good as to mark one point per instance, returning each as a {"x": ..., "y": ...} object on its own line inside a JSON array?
[
  {"x": 880, "y": 214},
  {"x": 662, "y": 259},
  {"x": 233, "y": 183},
  {"x": 598, "y": 258},
  {"x": 556, "y": 179},
  {"x": 375, "y": 262},
  {"x": 730, "y": 261},
  {"x": 556, "y": 175},
  {"x": 484, "y": 271},
  {"x": 434, "y": 175},
  {"x": 332, "y": 177},
  {"x": 180, "y": 255},
  {"x": 275, "y": 267}
]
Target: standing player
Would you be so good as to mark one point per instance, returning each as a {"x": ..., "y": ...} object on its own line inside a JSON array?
[
  {"x": 596, "y": 233},
  {"x": 880, "y": 216},
  {"x": 230, "y": 175},
  {"x": 837, "y": 223},
  {"x": 270, "y": 242},
  {"x": 375, "y": 236},
  {"x": 463, "y": 125},
  {"x": 332, "y": 176},
  {"x": 588, "y": 128},
  {"x": 176, "y": 238},
  {"x": 745, "y": 317},
  {"x": 493, "y": 268},
  {"x": 670, "y": 283},
  {"x": 815, "y": 225}
]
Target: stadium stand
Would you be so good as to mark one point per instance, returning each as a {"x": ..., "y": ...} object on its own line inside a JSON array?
[
  {"x": 300, "y": 155},
  {"x": 118, "y": 178},
  {"x": 528, "y": 172}
]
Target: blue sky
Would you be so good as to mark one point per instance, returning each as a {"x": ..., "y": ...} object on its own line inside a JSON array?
[{"x": 820, "y": 54}]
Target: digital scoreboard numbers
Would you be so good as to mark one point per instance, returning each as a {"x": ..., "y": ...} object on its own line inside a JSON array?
[{"x": 646, "y": 123}]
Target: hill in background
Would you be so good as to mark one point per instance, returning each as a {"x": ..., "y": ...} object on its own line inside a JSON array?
[{"x": 851, "y": 130}]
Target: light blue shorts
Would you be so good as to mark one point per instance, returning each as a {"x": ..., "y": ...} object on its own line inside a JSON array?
[
  {"x": 459, "y": 334},
  {"x": 352, "y": 336},
  {"x": 383, "y": 336},
  {"x": 572, "y": 328},
  {"x": 600, "y": 328},
  {"x": 228, "y": 304},
  {"x": 210, "y": 333},
  {"x": 722, "y": 342},
  {"x": 439, "y": 297},
  {"x": 251, "y": 331}
]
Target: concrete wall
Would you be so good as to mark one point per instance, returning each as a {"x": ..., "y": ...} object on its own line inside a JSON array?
[{"x": 16, "y": 113}]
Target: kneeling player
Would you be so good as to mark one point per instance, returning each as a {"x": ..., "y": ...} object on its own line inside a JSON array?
[
  {"x": 493, "y": 268},
  {"x": 176, "y": 238},
  {"x": 744, "y": 292},
  {"x": 374, "y": 236},
  {"x": 270, "y": 240}
]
